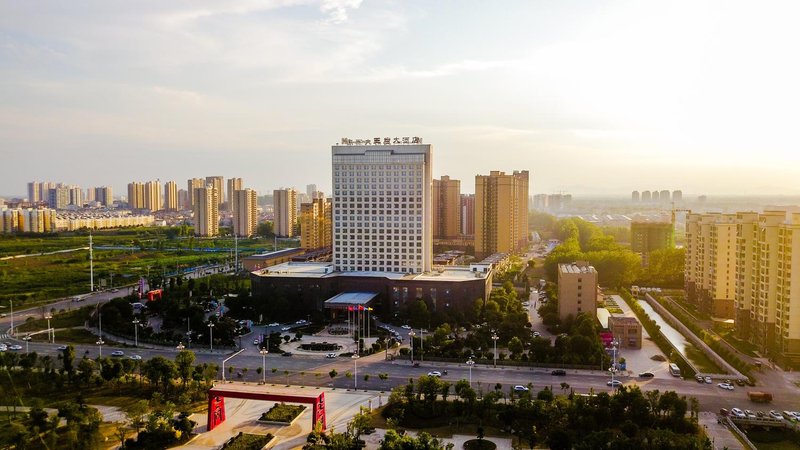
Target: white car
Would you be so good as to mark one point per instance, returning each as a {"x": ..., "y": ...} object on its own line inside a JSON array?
[
  {"x": 286, "y": 328},
  {"x": 406, "y": 327},
  {"x": 434, "y": 373},
  {"x": 256, "y": 342},
  {"x": 726, "y": 386},
  {"x": 521, "y": 388},
  {"x": 537, "y": 334},
  {"x": 775, "y": 415},
  {"x": 750, "y": 414},
  {"x": 15, "y": 348},
  {"x": 274, "y": 324},
  {"x": 736, "y": 412},
  {"x": 135, "y": 357},
  {"x": 117, "y": 353},
  {"x": 708, "y": 380},
  {"x": 614, "y": 383},
  {"x": 3, "y": 348}
]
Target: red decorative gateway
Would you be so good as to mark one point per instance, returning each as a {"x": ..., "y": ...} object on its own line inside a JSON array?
[{"x": 217, "y": 394}]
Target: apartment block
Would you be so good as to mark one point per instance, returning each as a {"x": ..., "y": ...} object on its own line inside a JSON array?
[
  {"x": 219, "y": 184},
  {"x": 501, "y": 212},
  {"x": 316, "y": 223},
  {"x": 446, "y": 206},
  {"x": 285, "y": 208},
  {"x": 206, "y": 211},
  {"x": 245, "y": 212},
  {"x": 104, "y": 195},
  {"x": 577, "y": 289},
  {"x": 171, "y": 196},
  {"x": 191, "y": 185},
  {"x": 58, "y": 197},
  {"x": 234, "y": 184},
  {"x": 34, "y": 192},
  {"x": 709, "y": 273},
  {"x": 382, "y": 218},
  {"x": 468, "y": 214},
  {"x": 649, "y": 236}
]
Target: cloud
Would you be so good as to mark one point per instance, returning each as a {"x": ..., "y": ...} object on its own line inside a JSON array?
[{"x": 337, "y": 9}]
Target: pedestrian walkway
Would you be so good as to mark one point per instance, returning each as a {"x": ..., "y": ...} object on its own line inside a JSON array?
[{"x": 721, "y": 436}]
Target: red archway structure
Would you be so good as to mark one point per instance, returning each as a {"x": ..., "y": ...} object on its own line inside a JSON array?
[{"x": 217, "y": 394}]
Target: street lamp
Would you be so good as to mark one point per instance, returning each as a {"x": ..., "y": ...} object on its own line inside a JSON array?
[
  {"x": 11, "y": 303},
  {"x": 100, "y": 343},
  {"x": 470, "y": 363},
  {"x": 180, "y": 346},
  {"x": 495, "y": 337},
  {"x": 50, "y": 333},
  {"x": 355, "y": 371},
  {"x": 421, "y": 343},
  {"x": 613, "y": 368},
  {"x": 263, "y": 352},
  {"x": 135, "y": 332},
  {"x": 411, "y": 335},
  {"x": 211, "y": 337}
]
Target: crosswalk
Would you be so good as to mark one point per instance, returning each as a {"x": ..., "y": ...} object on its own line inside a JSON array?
[{"x": 4, "y": 336}]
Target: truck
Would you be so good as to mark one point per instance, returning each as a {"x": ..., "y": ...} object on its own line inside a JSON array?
[{"x": 759, "y": 396}]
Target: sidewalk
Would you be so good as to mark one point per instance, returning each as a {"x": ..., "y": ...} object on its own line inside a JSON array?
[{"x": 720, "y": 435}]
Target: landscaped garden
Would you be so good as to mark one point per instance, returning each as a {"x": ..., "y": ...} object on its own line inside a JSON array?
[{"x": 283, "y": 413}]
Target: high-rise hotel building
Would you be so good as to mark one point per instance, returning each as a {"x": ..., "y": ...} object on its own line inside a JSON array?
[{"x": 382, "y": 206}]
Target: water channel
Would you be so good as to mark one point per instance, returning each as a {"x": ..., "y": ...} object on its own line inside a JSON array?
[{"x": 673, "y": 335}]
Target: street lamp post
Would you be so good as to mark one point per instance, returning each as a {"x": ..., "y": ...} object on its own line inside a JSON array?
[
  {"x": 421, "y": 343},
  {"x": 180, "y": 346},
  {"x": 470, "y": 363},
  {"x": 50, "y": 333},
  {"x": 100, "y": 338},
  {"x": 211, "y": 337},
  {"x": 355, "y": 371},
  {"x": 495, "y": 337},
  {"x": 100, "y": 343},
  {"x": 11, "y": 303},
  {"x": 136, "y": 332},
  {"x": 411, "y": 335},
  {"x": 27, "y": 340},
  {"x": 613, "y": 368},
  {"x": 263, "y": 352}
]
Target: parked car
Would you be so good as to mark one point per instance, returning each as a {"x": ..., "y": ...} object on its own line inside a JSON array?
[
  {"x": 537, "y": 334},
  {"x": 435, "y": 373},
  {"x": 740, "y": 382},
  {"x": 736, "y": 412},
  {"x": 117, "y": 353},
  {"x": 520, "y": 388},
  {"x": 750, "y": 414},
  {"x": 726, "y": 386},
  {"x": 775, "y": 415},
  {"x": 559, "y": 372},
  {"x": 286, "y": 354},
  {"x": 646, "y": 375},
  {"x": 708, "y": 380},
  {"x": 614, "y": 383}
]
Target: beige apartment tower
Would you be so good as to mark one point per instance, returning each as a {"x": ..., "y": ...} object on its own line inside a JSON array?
[
  {"x": 285, "y": 208},
  {"x": 577, "y": 289},
  {"x": 219, "y": 184},
  {"x": 446, "y": 206},
  {"x": 152, "y": 196},
  {"x": 191, "y": 185},
  {"x": 136, "y": 195},
  {"x": 234, "y": 184},
  {"x": 710, "y": 269},
  {"x": 316, "y": 223},
  {"x": 245, "y": 212},
  {"x": 501, "y": 212},
  {"x": 171, "y": 196},
  {"x": 206, "y": 211}
]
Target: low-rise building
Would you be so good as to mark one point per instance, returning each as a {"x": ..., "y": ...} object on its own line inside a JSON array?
[
  {"x": 627, "y": 331},
  {"x": 577, "y": 289}
]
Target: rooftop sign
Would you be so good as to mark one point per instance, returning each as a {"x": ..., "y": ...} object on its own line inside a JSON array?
[{"x": 382, "y": 141}]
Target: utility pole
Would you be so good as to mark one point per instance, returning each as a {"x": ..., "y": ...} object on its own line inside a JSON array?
[{"x": 91, "y": 265}]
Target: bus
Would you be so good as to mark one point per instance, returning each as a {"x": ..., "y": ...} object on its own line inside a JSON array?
[{"x": 674, "y": 370}]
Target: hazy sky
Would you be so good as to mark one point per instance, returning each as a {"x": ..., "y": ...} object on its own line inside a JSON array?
[{"x": 591, "y": 97}]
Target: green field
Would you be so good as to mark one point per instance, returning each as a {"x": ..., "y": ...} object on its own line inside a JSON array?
[{"x": 32, "y": 280}]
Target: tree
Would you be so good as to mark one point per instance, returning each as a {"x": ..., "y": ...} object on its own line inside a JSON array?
[
  {"x": 394, "y": 441},
  {"x": 68, "y": 360},
  {"x": 515, "y": 346},
  {"x": 160, "y": 371},
  {"x": 183, "y": 362}
]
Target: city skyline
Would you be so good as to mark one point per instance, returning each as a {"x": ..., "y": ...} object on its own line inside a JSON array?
[{"x": 591, "y": 97}]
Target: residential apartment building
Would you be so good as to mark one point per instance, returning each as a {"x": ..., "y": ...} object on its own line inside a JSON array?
[
  {"x": 104, "y": 195},
  {"x": 34, "y": 192},
  {"x": 316, "y": 223},
  {"x": 234, "y": 184},
  {"x": 446, "y": 206},
  {"x": 709, "y": 273},
  {"x": 152, "y": 196},
  {"x": 382, "y": 214},
  {"x": 191, "y": 185},
  {"x": 171, "y": 196},
  {"x": 136, "y": 195},
  {"x": 58, "y": 197},
  {"x": 577, "y": 289},
  {"x": 467, "y": 214},
  {"x": 285, "y": 208},
  {"x": 244, "y": 203},
  {"x": 219, "y": 184},
  {"x": 649, "y": 236},
  {"x": 206, "y": 210},
  {"x": 501, "y": 212}
]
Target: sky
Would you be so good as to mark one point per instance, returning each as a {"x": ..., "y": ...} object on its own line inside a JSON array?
[{"x": 592, "y": 97}]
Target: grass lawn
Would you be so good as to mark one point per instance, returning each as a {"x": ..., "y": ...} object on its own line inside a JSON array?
[
  {"x": 73, "y": 336},
  {"x": 701, "y": 361},
  {"x": 774, "y": 439},
  {"x": 245, "y": 441},
  {"x": 67, "y": 319},
  {"x": 283, "y": 413},
  {"x": 744, "y": 347}
]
